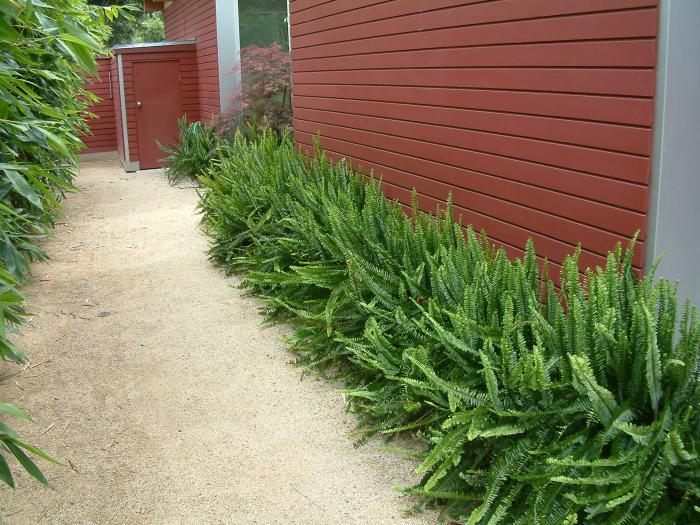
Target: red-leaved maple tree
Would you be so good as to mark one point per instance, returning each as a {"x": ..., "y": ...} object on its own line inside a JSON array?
[{"x": 265, "y": 95}]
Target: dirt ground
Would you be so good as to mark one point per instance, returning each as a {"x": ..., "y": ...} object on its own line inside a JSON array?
[{"x": 152, "y": 377}]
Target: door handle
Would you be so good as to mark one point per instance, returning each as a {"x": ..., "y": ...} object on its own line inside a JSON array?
[{"x": 138, "y": 104}]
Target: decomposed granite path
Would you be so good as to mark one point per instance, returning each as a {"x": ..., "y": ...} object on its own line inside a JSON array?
[{"x": 153, "y": 379}]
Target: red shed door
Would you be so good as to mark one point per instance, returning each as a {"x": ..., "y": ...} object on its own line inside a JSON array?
[{"x": 157, "y": 92}]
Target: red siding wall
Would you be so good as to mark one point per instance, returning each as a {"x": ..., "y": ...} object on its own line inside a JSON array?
[
  {"x": 188, "y": 87},
  {"x": 186, "y": 19},
  {"x": 103, "y": 136},
  {"x": 536, "y": 114}
]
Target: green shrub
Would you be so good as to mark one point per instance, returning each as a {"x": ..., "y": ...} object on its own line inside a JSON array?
[
  {"x": 191, "y": 155},
  {"x": 538, "y": 405},
  {"x": 46, "y": 50}
]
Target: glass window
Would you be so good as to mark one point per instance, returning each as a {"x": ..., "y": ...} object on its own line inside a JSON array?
[{"x": 263, "y": 22}]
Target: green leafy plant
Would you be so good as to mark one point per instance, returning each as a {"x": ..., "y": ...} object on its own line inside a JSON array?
[
  {"x": 134, "y": 25},
  {"x": 11, "y": 444},
  {"x": 538, "y": 404},
  {"x": 46, "y": 50},
  {"x": 192, "y": 154}
]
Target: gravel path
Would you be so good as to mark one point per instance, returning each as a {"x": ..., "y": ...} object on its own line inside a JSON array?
[{"x": 153, "y": 378}]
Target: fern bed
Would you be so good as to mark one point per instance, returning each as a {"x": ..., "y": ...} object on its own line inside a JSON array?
[{"x": 539, "y": 404}]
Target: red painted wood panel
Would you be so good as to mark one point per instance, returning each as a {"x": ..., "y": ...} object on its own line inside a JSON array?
[
  {"x": 620, "y": 53},
  {"x": 597, "y": 81},
  {"x": 590, "y": 187},
  {"x": 103, "y": 133},
  {"x": 381, "y": 10},
  {"x": 632, "y": 168},
  {"x": 617, "y": 110},
  {"x": 537, "y": 115},
  {"x": 299, "y": 5},
  {"x": 196, "y": 19},
  {"x": 585, "y": 133},
  {"x": 327, "y": 9},
  {"x": 466, "y": 15},
  {"x": 639, "y": 23}
]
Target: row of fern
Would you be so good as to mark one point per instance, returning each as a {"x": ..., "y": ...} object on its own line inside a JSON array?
[{"x": 538, "y": 404}]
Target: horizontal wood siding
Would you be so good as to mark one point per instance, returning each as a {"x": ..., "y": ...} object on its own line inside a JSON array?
[
  {"x": 103, "y": 134},
  {"x": 188, "y": 86},
  {"x": 196, "y": 19},
  {"x": 536, "y": 114}
]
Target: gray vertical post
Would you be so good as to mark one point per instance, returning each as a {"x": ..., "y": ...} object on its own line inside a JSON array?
[
  {"x": 128, "y": 164},
  {"x": 674, "y": 204}
]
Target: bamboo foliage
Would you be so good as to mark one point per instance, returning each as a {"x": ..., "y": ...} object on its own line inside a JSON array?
[
  {"x": 538, "y": 405},
  {"x": 46, "y": 51}
]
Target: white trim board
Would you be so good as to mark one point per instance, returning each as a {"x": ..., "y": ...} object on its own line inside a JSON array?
[
  {"x": 229, "y": 49},
  {"x": 122, "y": 101}
]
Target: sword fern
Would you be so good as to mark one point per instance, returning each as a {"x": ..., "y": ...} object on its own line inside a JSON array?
[{"x": 538, "y": 405}]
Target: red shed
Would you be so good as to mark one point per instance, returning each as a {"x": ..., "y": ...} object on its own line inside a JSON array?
[
  {"x": 156, "y": 84},
  {"x": 191, "y": 73}
]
